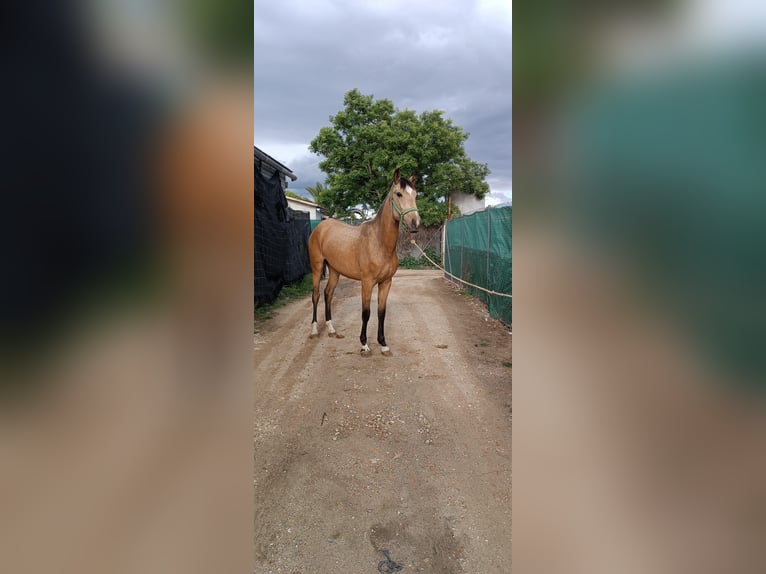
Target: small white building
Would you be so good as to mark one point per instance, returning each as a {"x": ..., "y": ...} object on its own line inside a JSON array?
[
  {"x": 305, "y": 206},
  {"x": 467, "y": 203}
]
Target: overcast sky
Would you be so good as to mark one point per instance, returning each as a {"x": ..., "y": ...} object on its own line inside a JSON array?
[{"x": 421, "y": 54}]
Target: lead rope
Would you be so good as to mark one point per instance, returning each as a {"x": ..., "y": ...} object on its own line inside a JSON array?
[{"x": 435, "y": 264}]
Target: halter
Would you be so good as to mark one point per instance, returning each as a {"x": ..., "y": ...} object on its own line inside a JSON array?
[{"x": 401, "y": 213}]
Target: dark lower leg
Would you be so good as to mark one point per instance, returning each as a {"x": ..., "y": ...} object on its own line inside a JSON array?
[
  {"x": 365, "y": 319},
  {"x": 315, "y": 300},
  {"x": 329, "y": 291},
  {"x": 381, "y": 321},
  {"x": 327, "y": 302}
]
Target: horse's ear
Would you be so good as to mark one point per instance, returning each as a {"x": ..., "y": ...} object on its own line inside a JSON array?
[
  {"x": 412, "y": 179},
  {"x": 396, "y": 176}
]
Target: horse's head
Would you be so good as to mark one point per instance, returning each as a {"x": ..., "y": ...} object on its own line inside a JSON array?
[{"x": 403, "y": 195}]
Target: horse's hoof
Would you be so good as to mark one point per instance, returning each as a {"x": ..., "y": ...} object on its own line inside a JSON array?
[
  {"x": 366, "y": 352},
  {"x": 333, "y": 334},
  {"x": 385, "y": 351}
]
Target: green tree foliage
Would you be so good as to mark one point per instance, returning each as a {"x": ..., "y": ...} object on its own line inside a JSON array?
[
  {"x": 315, "y": 191},
  {"x": 370, "y": 138},
  {"x": 320, "y": 194}
]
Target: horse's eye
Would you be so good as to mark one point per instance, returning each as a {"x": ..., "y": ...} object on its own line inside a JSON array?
[{"x": 399, "y": 193}]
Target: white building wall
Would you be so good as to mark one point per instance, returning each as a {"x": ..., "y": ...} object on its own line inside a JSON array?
[
  {"x": 298, "y": 206},
  {"x": 467, "y": 203}
]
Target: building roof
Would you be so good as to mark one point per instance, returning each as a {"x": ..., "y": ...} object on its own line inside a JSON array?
[
  {"x": 303, "y": 201},
  {"x": 260, "y": 155}
]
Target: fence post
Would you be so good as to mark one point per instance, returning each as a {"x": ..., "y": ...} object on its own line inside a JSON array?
[
  {"x": 489, "y": 277},
  {"x": 444, "y": 243},
  {"x": 462, "y": 248}
]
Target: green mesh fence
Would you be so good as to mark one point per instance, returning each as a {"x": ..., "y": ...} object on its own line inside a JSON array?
[{"x": 478, "y": 250}]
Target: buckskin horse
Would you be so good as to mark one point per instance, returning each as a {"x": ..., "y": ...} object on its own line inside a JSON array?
[{"x": 366, "y": 253}]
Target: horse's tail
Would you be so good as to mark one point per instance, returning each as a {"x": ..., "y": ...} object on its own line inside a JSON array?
[{"x": 324, "y": 269}]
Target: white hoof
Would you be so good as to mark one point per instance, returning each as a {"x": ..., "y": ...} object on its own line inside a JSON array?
[
  {"x": 385, "y": 351},
  {"x": 366, "y": 350},
  {"x": 314, "y": 331},
  {"x": 330, "y": 328}
]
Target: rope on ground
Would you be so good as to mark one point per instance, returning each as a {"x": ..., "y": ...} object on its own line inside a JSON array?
[{"x": 462, "y": 281}]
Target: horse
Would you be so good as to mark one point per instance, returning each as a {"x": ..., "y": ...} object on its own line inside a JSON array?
[{"x": 365, "y": 253}]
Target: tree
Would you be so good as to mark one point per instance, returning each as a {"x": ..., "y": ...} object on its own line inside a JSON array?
[
  {"x": 315, "y": 191},
  {"x": 370, "y": 138},
  {"x": 319, "y": 193}
]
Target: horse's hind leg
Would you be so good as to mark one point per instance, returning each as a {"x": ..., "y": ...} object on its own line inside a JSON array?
[
  {"x": 383, "y": 289},
  {"x": 316, "y": 271},
  {"x": 329, "y": 291},
  {"x": 366, "y": 297}
]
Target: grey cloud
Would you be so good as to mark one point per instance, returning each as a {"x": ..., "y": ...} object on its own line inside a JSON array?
[
  {"x": 421, "y": 56},
  {"x": 308, "y": 173}
]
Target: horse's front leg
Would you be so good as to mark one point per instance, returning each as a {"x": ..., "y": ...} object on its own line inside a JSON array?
[
  {"x": 383, "y": 289},
  {"x": 366, "y": 297}
]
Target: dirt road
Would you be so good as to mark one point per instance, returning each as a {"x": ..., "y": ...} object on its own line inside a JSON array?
[{"x": 409, "y": 453}]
